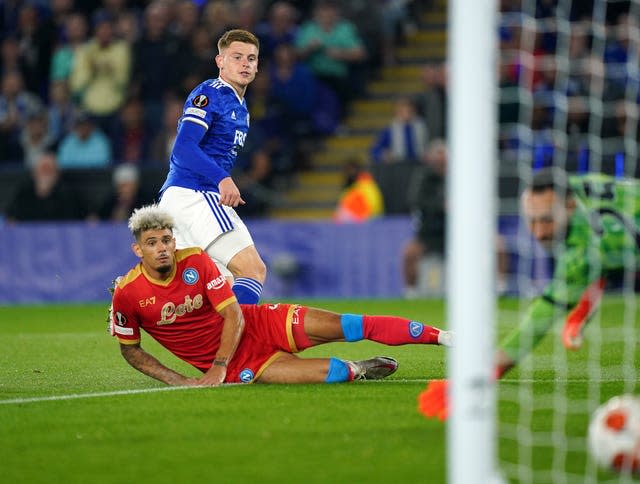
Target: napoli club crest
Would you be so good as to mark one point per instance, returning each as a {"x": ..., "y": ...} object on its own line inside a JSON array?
[
  {"x": 190, "y": 276},
  {"x": 246, "y": 375},
  {"x": 415, "y": 329}
]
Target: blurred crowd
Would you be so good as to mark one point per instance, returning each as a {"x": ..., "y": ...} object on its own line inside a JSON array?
[
  {"x": 98, "y": 83},
  {"x": 569, "y": 89},
  {"x": 570, "y": 86}
]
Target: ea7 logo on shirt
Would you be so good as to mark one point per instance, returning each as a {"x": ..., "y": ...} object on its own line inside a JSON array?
[
  {"x": 200, "y": 101},
  {"x": 216, "y": 283},
  {"x": 170, "y": 311},
  {"x": 190, "y": 276},
  {"x": 296, "y": 316},
  {"x": 148, "y": 301}
]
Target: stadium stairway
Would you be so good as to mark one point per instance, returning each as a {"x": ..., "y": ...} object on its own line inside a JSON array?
[{"x": 315, "y": 191}]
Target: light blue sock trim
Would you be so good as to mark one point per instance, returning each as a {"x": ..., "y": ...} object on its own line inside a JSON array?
[
  {"x": 338, "y": 371},
  {"x": 352, "y": 327}
]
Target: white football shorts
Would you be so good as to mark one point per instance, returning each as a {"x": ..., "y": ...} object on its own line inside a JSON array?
[{"x": 201, "y": 222}]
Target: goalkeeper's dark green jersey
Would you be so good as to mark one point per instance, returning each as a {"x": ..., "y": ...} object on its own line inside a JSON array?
[{"x": 603, "y": 235}]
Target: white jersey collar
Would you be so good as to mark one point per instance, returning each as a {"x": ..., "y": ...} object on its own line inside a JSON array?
[{"x": 231, "y": 87}]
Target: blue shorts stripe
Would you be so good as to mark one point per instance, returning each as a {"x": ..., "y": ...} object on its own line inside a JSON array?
[
  {"x": 224, "y": 223},
  {"x": 221, "y": 210},
  {"x": 213, "y": 210},
  {"x": 213, "y": 203}
]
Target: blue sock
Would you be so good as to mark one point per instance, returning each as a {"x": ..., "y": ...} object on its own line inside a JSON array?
[
  {"x": 338, "y": 371},
  {"x": 352, "y": 327},
  {"x": 247, "y": 290}
]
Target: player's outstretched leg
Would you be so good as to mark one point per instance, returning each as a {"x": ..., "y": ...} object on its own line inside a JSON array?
[
  {"x": 322, "y": 326},
  {"x": 291, "y": 369}
]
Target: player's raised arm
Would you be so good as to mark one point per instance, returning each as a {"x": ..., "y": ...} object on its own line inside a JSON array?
[{"x": 150, "y": 366}]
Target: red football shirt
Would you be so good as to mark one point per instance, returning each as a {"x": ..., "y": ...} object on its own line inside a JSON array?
[{"x": 181, "y": 313}]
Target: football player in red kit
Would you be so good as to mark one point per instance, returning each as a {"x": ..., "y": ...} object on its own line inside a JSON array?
[{"x": 181, "y": 300}]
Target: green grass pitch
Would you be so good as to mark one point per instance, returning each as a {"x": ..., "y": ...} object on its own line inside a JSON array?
[{"x": 122, "y": 427}]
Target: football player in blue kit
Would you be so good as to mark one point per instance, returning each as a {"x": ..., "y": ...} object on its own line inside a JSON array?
[{"x": 199, "y": 192}]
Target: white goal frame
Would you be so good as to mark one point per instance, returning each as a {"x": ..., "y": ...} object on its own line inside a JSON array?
[{"x": 471, "y": 233}]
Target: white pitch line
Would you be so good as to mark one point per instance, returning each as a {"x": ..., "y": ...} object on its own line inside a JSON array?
[{"x": 75, "y": 396}]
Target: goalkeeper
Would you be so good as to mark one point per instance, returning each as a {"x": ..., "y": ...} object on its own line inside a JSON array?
[{"x": 590, "y": 224}]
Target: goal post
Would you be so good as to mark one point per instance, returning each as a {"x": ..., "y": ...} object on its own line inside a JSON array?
[{"x": 472, "y": 226}]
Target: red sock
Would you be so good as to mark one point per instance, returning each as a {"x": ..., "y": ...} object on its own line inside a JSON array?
[{"x": 392, "y": 330}]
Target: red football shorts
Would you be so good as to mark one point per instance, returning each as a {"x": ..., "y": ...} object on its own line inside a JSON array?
[{"x": 270, "y": 331}]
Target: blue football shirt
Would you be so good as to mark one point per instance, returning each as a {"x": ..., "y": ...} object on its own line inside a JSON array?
[{"x": 215, "y": 106}]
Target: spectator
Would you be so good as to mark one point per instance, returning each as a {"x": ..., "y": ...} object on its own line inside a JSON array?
[
  {"x": 369, "y": 19},
  {"x": 404, "y": 139},
  {"x": 186, "y": 20},
  {"x": 62, "y": 111},
  {"x": 9, "y": 17},
  {"x": 10, "y": 55},
  {"x": 247, "y": 14},
  {"x": 85, "y": 147},
  {"x": 330, "y": 46},
  {"x": 45, "y": 197},
  {"x": 75, "y": 36},
  {"x": 394, "y": 17},
  {"x": 279, "y": 28},
  {"x": 293, "y": 89},
  {"x": 132, "y": 137},
  {"x": 36, "y": 138},
  {"x": 361, "y": 199},
  {"x": 195, "y": 64},
  {"x": 254, "y": 173},
  {"x": 125, "y": 196},
  {"x": 217, "y": 18},
  {"x": 127, "y": 27},
  {"x": 60, "y": 11},
  {"x": 154, "y": 55},
  {"x": 621, "y": 43},
  {"x": 114, "y": 9},
  {"x": 100, "y": 74},
  {"x": 16, "y": 105},
  {"x": 163, "y": 142},
  {"x": 427, "y": 198},
  {"x": 433, "y": 100},
  {"x": 266, "y": 115},
  {"x": 36, "y": 38}
]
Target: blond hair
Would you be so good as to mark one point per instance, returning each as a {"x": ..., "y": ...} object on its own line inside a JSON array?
[
  {"x": 149, "y": 217},
  {"x": 237, "y": 35}
]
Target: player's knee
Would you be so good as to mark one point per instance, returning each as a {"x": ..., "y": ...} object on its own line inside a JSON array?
[
  {"x": 260, "y": 270},
  {"x": 253, "y": 268}
]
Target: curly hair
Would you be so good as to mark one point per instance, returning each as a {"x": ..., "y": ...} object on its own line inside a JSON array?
[{"x": 149, "y": 217}]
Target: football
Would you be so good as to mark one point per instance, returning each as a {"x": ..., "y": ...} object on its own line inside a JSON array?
[{"x": 614, "y": 434}]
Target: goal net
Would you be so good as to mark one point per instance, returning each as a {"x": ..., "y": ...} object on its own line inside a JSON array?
[{"x": 568, "y": 98}]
